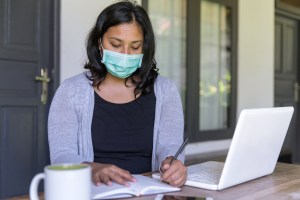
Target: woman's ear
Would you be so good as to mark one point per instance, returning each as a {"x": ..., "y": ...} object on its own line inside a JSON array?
[
  {"x": 100, "y": 47},
  {"x": 100, "y": 44}
]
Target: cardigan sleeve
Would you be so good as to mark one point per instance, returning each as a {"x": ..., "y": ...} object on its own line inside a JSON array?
[
  {"x": 171, "y": 126},
  {"x": 63, "y": 127}
]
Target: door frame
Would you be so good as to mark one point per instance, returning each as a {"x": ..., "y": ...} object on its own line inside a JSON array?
[
  {"x": 283, "y": 11},
  {"x": 55, "y": 47}
]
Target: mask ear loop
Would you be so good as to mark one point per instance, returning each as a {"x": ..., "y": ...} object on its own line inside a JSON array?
[{"x": 100, "y": 50}]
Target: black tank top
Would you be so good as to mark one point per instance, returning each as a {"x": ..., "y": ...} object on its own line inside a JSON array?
[{"x": 122, "y": 134}]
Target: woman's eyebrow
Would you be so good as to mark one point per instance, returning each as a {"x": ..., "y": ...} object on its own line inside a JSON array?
[
  {"x": 138, "y": 41},
  {"x": 114, "y": 38},
  {"x": 119, "y": 40}
]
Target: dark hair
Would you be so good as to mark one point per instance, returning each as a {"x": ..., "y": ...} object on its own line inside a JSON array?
[{"x": 115, "y": 14}]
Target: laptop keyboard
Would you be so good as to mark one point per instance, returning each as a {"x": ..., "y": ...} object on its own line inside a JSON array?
[
  {"x": 209, "y": 172},
  {"x": 212, "y": 177}
]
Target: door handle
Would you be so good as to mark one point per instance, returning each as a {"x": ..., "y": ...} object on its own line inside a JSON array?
[{"x": 45, "y": 80}]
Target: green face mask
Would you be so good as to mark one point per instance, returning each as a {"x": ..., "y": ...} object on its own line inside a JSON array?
[{"x": 121, "y": 65}]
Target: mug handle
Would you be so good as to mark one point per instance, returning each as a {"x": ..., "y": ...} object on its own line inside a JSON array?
[{"x": 34, "y": 186}]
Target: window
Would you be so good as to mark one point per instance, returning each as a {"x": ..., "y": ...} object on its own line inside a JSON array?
[
  {"x": 215, "y": 62},
  {"x": 196, "y": 47},
  {"x": 292, "y": 6},
  {"x": 169, "y": 24}
]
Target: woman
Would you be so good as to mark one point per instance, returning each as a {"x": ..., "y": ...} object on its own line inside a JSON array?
[{"x": 119, "y": 117}]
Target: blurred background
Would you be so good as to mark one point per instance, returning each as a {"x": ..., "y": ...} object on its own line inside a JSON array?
[{"x": 224, "y": 56}]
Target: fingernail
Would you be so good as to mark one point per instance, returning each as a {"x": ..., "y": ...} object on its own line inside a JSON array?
[{"x": 127, "y": 184}]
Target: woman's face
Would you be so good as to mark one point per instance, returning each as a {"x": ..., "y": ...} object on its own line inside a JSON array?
[{"x": 126, "y": 38}]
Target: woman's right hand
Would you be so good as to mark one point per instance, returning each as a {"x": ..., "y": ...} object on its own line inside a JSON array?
[{"x": 107, "y": 173}]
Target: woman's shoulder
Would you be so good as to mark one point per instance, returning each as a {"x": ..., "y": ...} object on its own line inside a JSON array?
[
  {"x": 164, "y": 87},
  {"x": 78, "y": 79},
  {"x": 76, "y": 85},
  {"x": 164, "y": 82}
]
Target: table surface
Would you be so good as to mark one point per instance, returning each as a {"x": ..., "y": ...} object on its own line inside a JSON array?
[{"x": 284, "y": 183}]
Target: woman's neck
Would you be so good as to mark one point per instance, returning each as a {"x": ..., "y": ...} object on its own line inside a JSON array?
[
  {"x": 113, "y": 89},
  {"x": 115, "y": 81}
]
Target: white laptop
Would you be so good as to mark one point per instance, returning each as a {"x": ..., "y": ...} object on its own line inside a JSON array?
[{"x": 253, "y": 153}]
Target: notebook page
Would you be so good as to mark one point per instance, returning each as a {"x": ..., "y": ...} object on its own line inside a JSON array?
[
  {"x": 147, "y": 185},
  {"x": 111, "y": 192}
]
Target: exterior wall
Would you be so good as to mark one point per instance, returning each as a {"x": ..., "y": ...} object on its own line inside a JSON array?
[
  {"x": 255, "y": 53},
  {"x": 77, "y": 18}
]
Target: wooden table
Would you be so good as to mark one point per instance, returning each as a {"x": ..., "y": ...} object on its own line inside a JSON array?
[{"x": 284, "y": 183}]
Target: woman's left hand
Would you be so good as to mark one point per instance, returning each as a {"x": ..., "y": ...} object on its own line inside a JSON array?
[{"x": 174, "y": 174}]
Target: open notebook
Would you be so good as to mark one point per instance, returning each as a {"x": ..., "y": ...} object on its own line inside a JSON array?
[
  {"x": 253, "y": 153},
  {"x": 143, "y": 186}
]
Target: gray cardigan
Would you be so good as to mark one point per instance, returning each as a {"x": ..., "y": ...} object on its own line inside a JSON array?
[{"x": 71, "y": 113}]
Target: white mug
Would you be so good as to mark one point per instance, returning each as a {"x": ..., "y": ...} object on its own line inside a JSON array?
[{"x": 64, "y": 181}]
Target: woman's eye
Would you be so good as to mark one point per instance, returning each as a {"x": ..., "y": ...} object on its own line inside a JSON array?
[
  {"x": 135, "y": 48},
  {"x": 116, "y": 46}
]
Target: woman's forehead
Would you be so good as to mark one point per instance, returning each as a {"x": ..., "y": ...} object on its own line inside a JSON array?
[{"x": 125, "y": 31}]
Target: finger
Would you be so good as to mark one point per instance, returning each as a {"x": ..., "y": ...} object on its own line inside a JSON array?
[
  {"x": 128, "y": 177},
  {"x": 124, "y": 174},
  {"x": 119, "y": 179},
  {"x": 170, "y": 171},
  {"x": 179, "y": 182},
  {"x": 177, "y": 179},
  {"x": 106, "y": 180},
  {"x": 96, "y": 180},
  {"x": 166, "y": 166},
  {"x": 180, "y": 177},
  {"x": 176, "y": 171},
  {"x": 170, "y": 179}
]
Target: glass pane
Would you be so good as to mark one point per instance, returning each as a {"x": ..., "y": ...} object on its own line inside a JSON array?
[
  {"x": 215, "y": 62},
  {"x": 295, "y": 3},
  {"x": 168, "y": 18}
]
